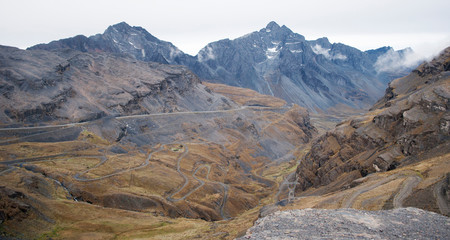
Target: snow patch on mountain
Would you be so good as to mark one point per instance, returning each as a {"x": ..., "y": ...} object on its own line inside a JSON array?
[{"x": 271, "y": 52}]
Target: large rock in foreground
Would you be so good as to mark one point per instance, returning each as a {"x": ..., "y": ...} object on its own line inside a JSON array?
[{"x": 402, "y": 223}]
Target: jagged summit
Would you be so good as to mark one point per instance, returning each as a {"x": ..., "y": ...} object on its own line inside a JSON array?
[
  {"x": 272, "y": 25},
  {"x": 276, "y": 30},
  {"x": 121, "y": 27}
]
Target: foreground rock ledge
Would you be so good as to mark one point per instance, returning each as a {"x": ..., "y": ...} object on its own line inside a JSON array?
[{"x": 401, "y": 223}]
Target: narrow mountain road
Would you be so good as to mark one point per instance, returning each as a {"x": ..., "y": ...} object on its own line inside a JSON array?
[
  {"x": 406, "y": 190},
  {"x": 199, "y": 180},
  {"x": 12, "y": 166},
  {"x": 224, "y": 200},
  {"x": 77, "y": 177},
  {"x": 186, "y": 180},
  {"x": 147, "y": 161},
  {"x": 441, "y": 197},
  {"x": 27, "y": 137},
  {"x": 144, "y": 115},
  {"x": 46, "y": 127},
  {"x": 349, "y": 202},
  {"x": 286, "y": 182},
  {"x": 7, "y": 170},
  {"x": 33, "y": 159}
]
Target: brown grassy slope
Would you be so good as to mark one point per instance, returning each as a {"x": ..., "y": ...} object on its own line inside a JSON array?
[{"x": 244, "y": 96}]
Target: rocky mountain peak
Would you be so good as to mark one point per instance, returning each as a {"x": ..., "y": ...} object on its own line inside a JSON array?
[
  {"x": 274, "y": 30},
  {"x": 119, "y": 27},
  {"x": 272, "y": 26},
  {"x": 323, "y": 42},
  {"x": 125, "y": 31}
]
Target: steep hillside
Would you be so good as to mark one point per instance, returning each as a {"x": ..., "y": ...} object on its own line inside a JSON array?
[
  {"x": 275, "y": 61},
  {"x": 39, "y": 86},
  {"x": 395, "y": 155}
]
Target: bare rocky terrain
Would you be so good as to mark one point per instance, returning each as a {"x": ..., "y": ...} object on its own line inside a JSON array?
[
  {"x": 70, "y": 86},
  {"x": 401, "y": 223}
]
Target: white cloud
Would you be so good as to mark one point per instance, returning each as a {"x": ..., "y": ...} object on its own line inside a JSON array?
[
  {"x": 339, "y": 56},
  {"x": 317, "y": 49},
  {"x": 206, "y": 54},
  {"x": 393, "y": 61}
]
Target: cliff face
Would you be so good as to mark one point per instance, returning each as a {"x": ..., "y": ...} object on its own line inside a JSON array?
[
  {"x": 409, "y": 124},
  {"x": 68, "y": 85}
]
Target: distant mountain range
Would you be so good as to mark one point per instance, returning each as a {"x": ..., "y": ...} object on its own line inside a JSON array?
[{"x": 275, "y": 61}]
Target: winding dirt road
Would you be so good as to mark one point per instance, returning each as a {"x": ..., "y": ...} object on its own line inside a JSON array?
[
  {"x": 286, "y": 182},
  {"x": 144, "y": 115},
  {"x": 186, "y": 180},
  {"x": 349, "y": 202},
  {"x": 441, "y": 197},
  {"x": 202, "y": 183},
  {"x": 406, "y": 190},
  {"x": 104, "y": 159}
]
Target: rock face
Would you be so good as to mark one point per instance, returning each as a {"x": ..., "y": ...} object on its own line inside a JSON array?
[
  {"x": 409, "y": 124},
  {"x": 275, "y": 61},
  {"x": 70, "y": 85},
  {"x": 402, "y": 223}
]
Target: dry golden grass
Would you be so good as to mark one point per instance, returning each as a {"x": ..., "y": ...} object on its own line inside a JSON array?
[
  {"x": 245, "y": 96},
  {"x": 429, "y": 170}
]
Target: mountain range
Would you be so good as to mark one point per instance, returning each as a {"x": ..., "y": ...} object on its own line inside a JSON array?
[{"x": 275, "y": 61}]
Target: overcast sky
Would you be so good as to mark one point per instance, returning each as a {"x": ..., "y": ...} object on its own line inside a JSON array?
[{"x": 191, "y": 24}]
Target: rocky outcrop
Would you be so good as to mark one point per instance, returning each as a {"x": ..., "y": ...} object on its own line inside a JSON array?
[
  {"x": 69, "y": 85},
  {"x": 410, "y": 120},
  {"x": 12, "y": 205},
  {"x": 402, "y": 223}
]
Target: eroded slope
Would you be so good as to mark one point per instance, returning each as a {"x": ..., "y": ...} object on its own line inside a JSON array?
[{"x": 407, "y": 130}]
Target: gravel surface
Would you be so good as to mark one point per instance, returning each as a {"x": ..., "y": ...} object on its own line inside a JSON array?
[{"x": 400, "y": 223}]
